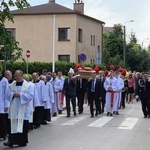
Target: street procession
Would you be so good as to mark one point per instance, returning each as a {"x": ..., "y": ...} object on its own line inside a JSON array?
[
  {"x": 74, "y": 75},
  {"x": 26, "y": 105}
]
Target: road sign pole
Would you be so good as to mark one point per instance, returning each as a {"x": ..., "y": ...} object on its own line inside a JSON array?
[
  {"x": 27, "y": 65},
  {"x": 28, "y": 55}
]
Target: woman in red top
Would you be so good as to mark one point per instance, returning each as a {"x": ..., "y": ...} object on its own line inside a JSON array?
[{"x": 131, "y": 87}]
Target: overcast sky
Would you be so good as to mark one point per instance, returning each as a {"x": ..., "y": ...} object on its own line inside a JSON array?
[{"x": 114, "y": 12}]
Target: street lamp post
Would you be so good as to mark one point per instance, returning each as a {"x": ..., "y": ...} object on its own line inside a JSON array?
[
  {"x": 143, "y": 43},
  {"x": 124, "y": 42}
]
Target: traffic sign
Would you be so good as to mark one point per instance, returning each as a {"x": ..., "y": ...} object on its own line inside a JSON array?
[
  {"x": 28, "y": 53},
  {"x": 82, "y": 57}
]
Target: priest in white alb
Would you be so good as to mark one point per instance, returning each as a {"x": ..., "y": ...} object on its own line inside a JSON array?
[{"x": 19, "y": 94}]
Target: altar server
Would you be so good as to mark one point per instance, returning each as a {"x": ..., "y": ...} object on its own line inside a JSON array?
[
  {"x": 110, "y": 86},
  {"x": 39, "y": 100}
]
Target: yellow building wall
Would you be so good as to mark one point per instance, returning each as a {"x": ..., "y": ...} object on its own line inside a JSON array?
[{"x": 35, "y": 32}]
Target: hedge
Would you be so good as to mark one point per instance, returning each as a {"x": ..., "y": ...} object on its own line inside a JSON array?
[{"x": 39, "y": 66}]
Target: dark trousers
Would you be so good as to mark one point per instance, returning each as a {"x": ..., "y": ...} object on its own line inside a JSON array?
[
  {"x": 103, "y": 103},
  {"x": 3, "y": 128},
  {"x": 145, "y": 107},
  {"x": 80, "y": 97},
  {"x": 47, "y": 115},
  {"x": 123, "y": 99},
  {"x": 20, "y": 138},
  {"x": 73, "y": 101},
  {"x": 38, "y": 116},
  {"x": 93, "y": 98}
]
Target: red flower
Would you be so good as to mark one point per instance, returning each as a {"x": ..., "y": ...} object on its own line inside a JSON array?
[
  {"x": 97, "y": 68},
  {"x": 77, "y": 66},
  {"x": 124, "y": 72},
  {"x": 106, "y": 72},
  {"x": 112, "y": 67},
  {"x": 120, "y": 69}
]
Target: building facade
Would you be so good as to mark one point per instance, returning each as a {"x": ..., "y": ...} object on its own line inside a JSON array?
[{"x": 53, "y": 30}]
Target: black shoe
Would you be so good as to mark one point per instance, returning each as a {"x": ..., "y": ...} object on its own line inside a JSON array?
[
  {"x": 60, "y": 112},
  {"x": 145, "y": 116},
  {"x": 68, "y": 116},
  {"x": 96, "y": 114},
  {"x": 21, "y": 145},
  {"x": 44, "y": 123},
  {"x": 9, "y": 144},
  {"x": 117, "y": 113},
  {"x": 111, "y": 114},
  {"x": 37, "y": 126},
  {"x": 108, "y": 114},
  {"x": 75, "y": 114},
  {"x": 92, "y": 116},
  {"x": 54, "y": 114}
]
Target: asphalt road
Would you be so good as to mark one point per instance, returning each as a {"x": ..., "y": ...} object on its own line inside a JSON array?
[{"x": 127, "y": 131}]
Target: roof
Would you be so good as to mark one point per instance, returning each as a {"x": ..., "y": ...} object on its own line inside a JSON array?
[
  {"x": 49, "y": 8},
  {"x": 108, "y": 29}
]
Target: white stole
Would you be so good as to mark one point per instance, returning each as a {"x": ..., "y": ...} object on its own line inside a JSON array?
[{"x": 17, "y": 124}]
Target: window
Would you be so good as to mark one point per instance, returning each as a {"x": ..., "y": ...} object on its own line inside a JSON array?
[
  {"x": 80, "y": 35},
  {"x": 1, "y": 53},
  {"x": 7, "y": 55},
  {"x": 64, "y": 34},
  {"x": 12, "y": 32},
  {"x": 64, "y": 58},
  {"x": 93, "y": 40}
]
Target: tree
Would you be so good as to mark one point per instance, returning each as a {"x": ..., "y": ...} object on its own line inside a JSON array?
[
  {"x": 8, "y": 44},
  {"x": 113, "y": 41}
]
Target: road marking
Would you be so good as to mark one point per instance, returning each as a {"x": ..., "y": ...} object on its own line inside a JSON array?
[
  {"x": 100, "y": 122},
  {"x": 73, "y": 121},
  {"x": 128, "y": 123},
  {"x": 57, "y": 117}
]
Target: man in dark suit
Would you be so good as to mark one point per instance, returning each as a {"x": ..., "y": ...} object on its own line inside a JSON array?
[
  {"x": 144, "y": 89},
  {"x": 102, "y": 91},
  {"x": 93, "y": 86},
  {"x": 81, "y": 89},
  {"x": 69, "y": 89}
]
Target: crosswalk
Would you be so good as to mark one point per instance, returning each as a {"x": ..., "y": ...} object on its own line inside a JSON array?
[
  {"x": 127, "y": 123},
  {"x": 129, "y": 119}
]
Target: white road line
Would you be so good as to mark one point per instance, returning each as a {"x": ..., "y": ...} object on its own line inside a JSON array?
[
  {"x": 128, "y": 123},
  {"x": 73, "y": 121},
  {"x": 56, "y": 118},
  {"x": 100, "y": 122}
]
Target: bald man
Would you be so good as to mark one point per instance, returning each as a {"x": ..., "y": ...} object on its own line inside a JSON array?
[{"x": 19, "y": 95}]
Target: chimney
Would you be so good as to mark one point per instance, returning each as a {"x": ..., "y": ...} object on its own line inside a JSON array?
[
  {"x": 79, "y": 6},
  {"x": 51, "y": 1}
]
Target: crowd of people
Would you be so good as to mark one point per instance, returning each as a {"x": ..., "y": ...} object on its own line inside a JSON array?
[{"x": 26, "y": 105}]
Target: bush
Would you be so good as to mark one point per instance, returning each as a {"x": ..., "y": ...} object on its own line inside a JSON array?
[{"x": 39, "y": 66}]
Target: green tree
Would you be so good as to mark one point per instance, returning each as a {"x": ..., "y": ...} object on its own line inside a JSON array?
[
  {"x": 113, "y": 41},
  {"x": 9, "y": 44}
]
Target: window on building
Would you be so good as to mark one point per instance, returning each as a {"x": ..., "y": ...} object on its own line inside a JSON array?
[
  {"x": 64, "y": 34},
  {"x": 80, "y": 35},
  {"x": 12, "y": 32},
  {"x": 1, "y": 53},
  {"x": 8, "y": 55},
  {"x": 93, "y": 40},
  {"x": 65, "y": 58}
]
